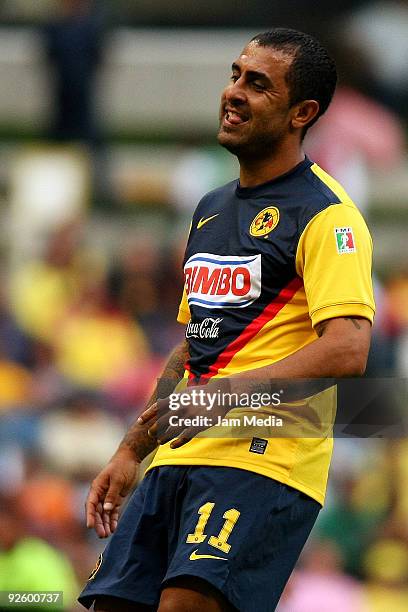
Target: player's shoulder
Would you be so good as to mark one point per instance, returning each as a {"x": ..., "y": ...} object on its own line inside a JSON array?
[
  {"x": 323, "y": 195},
  {"x": 324, "y": 186},
  {"x": 219, "y": 192},
  {"x": 214, "y": 199}
]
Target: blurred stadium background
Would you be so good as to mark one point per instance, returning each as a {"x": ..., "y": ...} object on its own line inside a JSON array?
[{"x": 108, "y": 115}]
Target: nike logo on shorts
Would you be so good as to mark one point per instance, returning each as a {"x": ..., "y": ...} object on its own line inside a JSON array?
[{"x": 194, "y": 556}]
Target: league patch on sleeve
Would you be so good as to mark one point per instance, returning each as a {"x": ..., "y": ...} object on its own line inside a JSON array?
[{"x": 344, "y": 240}]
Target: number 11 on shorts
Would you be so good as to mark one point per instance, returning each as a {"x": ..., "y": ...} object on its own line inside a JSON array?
[{"x": 220, "y": 541}]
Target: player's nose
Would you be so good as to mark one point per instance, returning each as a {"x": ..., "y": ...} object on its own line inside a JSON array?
[{"x": 235, "y": 93}]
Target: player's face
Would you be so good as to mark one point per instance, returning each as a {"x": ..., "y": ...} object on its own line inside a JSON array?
[{"x": 255, "y": 111}]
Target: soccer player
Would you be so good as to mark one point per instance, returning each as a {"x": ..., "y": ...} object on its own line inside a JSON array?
[{"x": 277, "y": 286}]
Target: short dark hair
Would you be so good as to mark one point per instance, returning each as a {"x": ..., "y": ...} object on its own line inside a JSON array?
[{"x": 312, "y": 74}]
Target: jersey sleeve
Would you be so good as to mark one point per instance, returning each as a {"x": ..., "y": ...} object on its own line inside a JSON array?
[
  {"x": 184, "y": 309},
  {"x": 334, "y": 258}
]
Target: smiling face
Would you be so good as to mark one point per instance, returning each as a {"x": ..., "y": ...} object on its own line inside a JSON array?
[{"x": 255, "y": 112}]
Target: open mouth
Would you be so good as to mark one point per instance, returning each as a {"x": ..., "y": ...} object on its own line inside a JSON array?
[{"x": 233, "y": 118}]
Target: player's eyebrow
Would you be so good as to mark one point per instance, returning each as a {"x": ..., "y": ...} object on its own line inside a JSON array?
[{"x": 253, "y": 74}]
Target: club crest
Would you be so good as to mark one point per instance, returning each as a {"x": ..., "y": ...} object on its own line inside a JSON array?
[{"x": 264, "y": 222}]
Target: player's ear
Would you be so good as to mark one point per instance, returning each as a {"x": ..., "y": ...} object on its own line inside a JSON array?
[{"x": 303, "y": 113}]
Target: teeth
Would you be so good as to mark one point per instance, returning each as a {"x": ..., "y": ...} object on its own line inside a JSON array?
[{"x": 232, "y": 116}]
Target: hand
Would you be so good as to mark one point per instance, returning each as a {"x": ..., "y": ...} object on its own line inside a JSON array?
[
  {"x": 108, "y": 492},
  {"x": 196, "y": 401}
]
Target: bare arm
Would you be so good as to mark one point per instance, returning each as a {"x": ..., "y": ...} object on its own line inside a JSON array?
[
  {"x": 112, "y": 485},
  {"x": 340, "y": 350},
  {"x": 137, "y": 438}
]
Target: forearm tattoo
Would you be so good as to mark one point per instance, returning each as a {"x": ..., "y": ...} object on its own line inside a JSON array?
[
  {"x": 137, "y": 438},
  {"x": 175, "y": 367}
]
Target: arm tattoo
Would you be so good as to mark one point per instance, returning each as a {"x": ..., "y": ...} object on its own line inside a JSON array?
[
  {"x": 354, "y": 322},
  {"x": 321, "y": 327},
  {"x": 172, "y": 373},
  {"x": 137, "y": 438},
  {"x": 175, "y": 366}
]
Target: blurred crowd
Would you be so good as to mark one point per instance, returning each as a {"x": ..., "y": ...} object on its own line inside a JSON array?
[
  {"x": 82, "y": 340},
  {"x": 80, "y": 351}
]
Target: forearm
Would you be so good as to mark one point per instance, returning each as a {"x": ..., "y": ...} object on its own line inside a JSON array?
[{"x": 137, "y": 439}]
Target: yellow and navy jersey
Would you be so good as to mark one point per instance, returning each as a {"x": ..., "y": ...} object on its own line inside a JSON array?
[{"x": 263, "y": 265}]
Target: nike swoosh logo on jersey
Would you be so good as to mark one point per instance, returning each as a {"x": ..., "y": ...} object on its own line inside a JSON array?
[
  {"x": 203, "y": 221},
  {"x": 194, "y": 556}
]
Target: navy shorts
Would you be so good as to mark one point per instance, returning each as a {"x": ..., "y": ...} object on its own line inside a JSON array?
[{"x": 240, "y": 531}]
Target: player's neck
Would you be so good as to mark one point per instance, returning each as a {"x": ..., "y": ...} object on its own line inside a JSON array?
[{"x": 258, "y": 171}]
